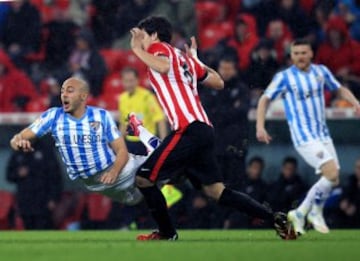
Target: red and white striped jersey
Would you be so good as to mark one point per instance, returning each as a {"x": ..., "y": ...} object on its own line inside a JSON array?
[{"x": 177, "y": 90}]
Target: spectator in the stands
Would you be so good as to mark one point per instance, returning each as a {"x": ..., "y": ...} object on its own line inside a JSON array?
[
  {"x": 279, "y": 33},
  {"x": 285, "y": 193},
  {"x": 60, "y": 40},
  {"x": 37, "y": 177},
  {"x": 262, "y": 68},
  {"x": 104, "y": 20},
  {"x": 340, "y": 53},
  {"x": 228, "y": 111},
  {"x": 16, "y": 89},
  {"x": 350, "y": 11},
  {"x": 243, "y": 42},
  {"x": 290, "y": 12},
  {"x": 130, "y": 12},
  {"x": 22, "y": 32},
  {"x": 86, "y": 62},
  {"x": 253, "y": 185}
]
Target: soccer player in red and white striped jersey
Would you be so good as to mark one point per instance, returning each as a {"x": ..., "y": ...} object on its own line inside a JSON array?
[{"x": 189, "y": 149}]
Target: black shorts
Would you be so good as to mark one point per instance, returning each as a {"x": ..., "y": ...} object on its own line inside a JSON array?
[{"x": 190, "y": 152}]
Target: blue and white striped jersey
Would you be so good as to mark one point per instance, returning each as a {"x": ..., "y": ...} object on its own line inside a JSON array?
[
  {"x": 83, "y": 143},
  {"x": 303, "y": 98}
]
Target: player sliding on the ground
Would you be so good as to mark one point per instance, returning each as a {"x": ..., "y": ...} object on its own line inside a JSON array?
[{"x": 89, "y": 143}]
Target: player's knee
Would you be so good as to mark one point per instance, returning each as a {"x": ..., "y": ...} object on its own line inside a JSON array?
[
  {"x": 143, "y": 182},
  {"x": 214, "y": 191},
  {"x": 330, "y": 171}
]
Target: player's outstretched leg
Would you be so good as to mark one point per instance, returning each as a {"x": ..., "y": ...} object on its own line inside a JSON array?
[
  {"x": 244, "y": 203},
  {"x": 135, "y": 128}
]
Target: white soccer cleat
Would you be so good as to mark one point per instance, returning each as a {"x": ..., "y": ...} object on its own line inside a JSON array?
[
  {"x": 298, "y": 221},
  {"x": 318, "y": 222}
]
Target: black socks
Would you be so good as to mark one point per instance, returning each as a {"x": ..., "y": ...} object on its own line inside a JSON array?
[
  {"x": 244, "y": 203},
  {"x": 158, "y": 209}
]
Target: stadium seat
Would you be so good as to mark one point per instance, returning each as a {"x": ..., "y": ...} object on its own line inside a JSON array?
[
  {"x": 129, "y": 59},
  {"x": 70, "y": 209},
  {"x": 47, "y": 9},
  {"x": 207, "y": 12},
  {"x": 112, "y": 59},
  {"x": 112, "y": 84},
  {"x": 213, "y": 33},
  {"x": 108, "y": 101},
  {"x": 7, "y": 201},
  {"x": 98, "y": 206},
  {"x": 39, "y": 55},
  {"x": 38, "y": 104}
]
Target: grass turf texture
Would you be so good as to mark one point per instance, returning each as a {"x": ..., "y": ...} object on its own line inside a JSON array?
[{"x": 200, "y": 245}]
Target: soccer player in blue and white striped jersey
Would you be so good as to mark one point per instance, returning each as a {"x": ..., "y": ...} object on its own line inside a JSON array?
[
  {"x": 301, "y": 88},
  {"x": 89, "y": 142}
]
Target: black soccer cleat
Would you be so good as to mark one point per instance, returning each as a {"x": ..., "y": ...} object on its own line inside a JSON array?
[{"x": 283, "y": 227}]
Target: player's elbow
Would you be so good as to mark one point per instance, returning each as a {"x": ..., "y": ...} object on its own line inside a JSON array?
[
  {"x": 214, "y": 82},
  {"x": 220, "y": 84}
]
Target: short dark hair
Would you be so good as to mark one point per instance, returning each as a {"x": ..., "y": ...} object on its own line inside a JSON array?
[
  {"x": 159, "y": 25},
  {"x": 129, "y": 70},
  {"x": 301, "y": 41},
  {"x": 290, "y": 160},
  {"x": 257, "y": 159},
  {"x": 230, "y": 59}
]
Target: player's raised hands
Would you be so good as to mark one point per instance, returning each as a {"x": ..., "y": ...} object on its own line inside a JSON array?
[
  {"x": 192, "y": 50},
  {"x": 136, "y": 38},
  {"x": 263, "y": 136}
]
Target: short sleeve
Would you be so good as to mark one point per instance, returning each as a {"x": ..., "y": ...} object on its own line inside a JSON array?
[
  {"x": 201, "y": 72},
  {"x": 331, "y": 83},
  {"x": 112, "y": 132},
  {"x": 276, "y": 87},
  {"x": 42, "y": 125},
  {"x": 159, "y": 49}
]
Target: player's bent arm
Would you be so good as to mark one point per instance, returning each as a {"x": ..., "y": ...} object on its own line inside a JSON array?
[
  {"x": 213, "y": 79},
  {"x": 122, "y": 156},
  {"x": 160, "y": 64},
  {"x": 348, "y": 95},
  {"x": 263, "y": 104},
  {"x": 22, "y": 140}
]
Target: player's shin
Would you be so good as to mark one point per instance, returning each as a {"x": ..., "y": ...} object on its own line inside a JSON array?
[
  {"x": 244, "y": 203},
  {"x": 150, "y": 141},
  {"x": 316, "y": 196},
  {"x": 158, "y": 209}
]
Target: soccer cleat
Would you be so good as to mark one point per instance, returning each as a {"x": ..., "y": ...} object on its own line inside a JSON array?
[
  {"x": 155, "y": 235},
  {"x": 283, "y": 227},
  {"x": 133, "y": 124},
  {"x": 297, "y": 220},
  {"x": 318, "y": 222}
]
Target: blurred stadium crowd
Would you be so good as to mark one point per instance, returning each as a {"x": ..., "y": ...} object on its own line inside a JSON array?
[{"x": 45, "y": 41}]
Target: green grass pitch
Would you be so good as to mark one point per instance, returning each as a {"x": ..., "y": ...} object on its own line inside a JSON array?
[{"x": 200, "y": 245}]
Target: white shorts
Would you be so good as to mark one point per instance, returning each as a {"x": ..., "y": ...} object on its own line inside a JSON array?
[
  {"x": 316, "y": 153},
  {"x": 124, "y": 189}
]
